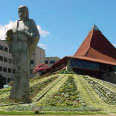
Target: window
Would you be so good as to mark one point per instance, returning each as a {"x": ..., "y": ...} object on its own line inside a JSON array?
[
  {"x": 0, "y": 68},
  {"x": 13, "y": 61},
  {"x": 46, "y": 62},
  {"x": 1, "y": 58},
  {"x": 5, "y": 59},
  {"x": 1, "y": 47},
  {"x": 31, "y": 71},
  {"x": 10, "y": 61},
  {"x": 9, "y": 70},
  {"x": 32, "y": 62},
  {"x": 5, "y": 49},
  {"x": 52, "y": 61},
  {"x": 13, "y": 70},
  {"x": 4, "y": 69}
]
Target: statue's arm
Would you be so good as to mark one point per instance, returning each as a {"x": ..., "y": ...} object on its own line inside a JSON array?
[{"x": 33, "y": 30}]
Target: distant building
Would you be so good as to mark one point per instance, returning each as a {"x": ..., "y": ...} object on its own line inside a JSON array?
[
  {"x": 51, "y": 60},
  {"x": 37, "y": 58},
  {"x": 7, "y": 69}
]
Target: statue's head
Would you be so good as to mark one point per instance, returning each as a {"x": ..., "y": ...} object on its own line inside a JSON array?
[{"x": 23, "y": 12}]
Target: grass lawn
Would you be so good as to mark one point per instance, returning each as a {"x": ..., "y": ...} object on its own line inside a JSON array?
[{"x": 52, "y": 113}]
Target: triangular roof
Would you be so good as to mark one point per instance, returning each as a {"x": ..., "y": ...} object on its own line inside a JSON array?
[{"x": 97, "y": 46}]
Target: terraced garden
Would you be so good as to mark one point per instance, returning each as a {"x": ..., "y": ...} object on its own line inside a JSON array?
[{"x": 65, "y": 92}]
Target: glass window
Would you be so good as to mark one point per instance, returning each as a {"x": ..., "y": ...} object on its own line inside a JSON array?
[
  {"x": 84, "y": 64},
  {"x": 1, "y": 58},
  {"x": 46, "y": 62},
  {"x": 0, "y": 68},
  {"x": 5, "y": 59},
  {"x": 5, "y": 49},
  {"x": 52, "y": 61},
  {"x": 9, "y": 70},
  {"x": 31, "y": 71},
  {"x": 1, "y": 47},
  {"x": 4, "y": 69},
  {"x": 32, "y": 62}
]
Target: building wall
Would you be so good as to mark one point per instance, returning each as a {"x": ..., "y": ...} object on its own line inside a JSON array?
[
  {"x": 51, "y": 60},
  {"x": 38, "y": 58},
  {"x": 7, "y": 62},
  {"x": 7, "y": 67}
]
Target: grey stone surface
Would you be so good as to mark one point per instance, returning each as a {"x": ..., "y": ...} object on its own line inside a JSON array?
[{"x": 22, "y": 40}]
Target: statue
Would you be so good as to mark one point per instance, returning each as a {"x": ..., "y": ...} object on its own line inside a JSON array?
[{"x": 22, "y": 40}]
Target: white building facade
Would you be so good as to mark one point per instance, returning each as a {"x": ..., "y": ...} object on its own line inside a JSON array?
[{"x": 7, "y": 68}]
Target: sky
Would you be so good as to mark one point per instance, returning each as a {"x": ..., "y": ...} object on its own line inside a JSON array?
[{"x": 63, "y": 24}]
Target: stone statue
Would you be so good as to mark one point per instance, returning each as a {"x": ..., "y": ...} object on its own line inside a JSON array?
[{"x": 22, "y": 40}]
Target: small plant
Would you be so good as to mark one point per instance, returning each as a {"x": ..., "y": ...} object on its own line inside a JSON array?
[
  {"x": 64, "y": 71},
  {"x": 104, "y": 93}
]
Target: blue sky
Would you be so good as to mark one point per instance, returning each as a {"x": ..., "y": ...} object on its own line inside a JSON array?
[{"x": 64, "y": 24}]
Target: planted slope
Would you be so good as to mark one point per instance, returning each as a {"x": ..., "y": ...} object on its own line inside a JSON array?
[
  {"x": 104, "y": 93},
  {"x": 67, "y": 92},
  {"x": 67, "y": 95}
]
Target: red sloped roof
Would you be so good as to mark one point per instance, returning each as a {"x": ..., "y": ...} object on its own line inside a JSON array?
[
  {"x": 97, "y": 46},
  {"x": 40, "y": 67}
]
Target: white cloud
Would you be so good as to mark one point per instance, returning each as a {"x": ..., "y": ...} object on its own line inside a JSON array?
[
  {"x": 42, "y": 32},
  {"x": 4, "y": 28},
  {"x": 42, "y": 46}
]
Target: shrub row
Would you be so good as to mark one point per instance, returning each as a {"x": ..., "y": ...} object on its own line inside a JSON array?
[
  {"x": 105, "y": 94},
  {"x": 66, "y": 96},
  {"x": 35, "y": 89}
]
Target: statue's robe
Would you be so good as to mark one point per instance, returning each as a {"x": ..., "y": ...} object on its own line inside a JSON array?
[{"x": 22, "y": 46}]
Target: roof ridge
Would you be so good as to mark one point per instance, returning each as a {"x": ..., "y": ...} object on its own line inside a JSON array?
[{"x": 90, "y": 41}]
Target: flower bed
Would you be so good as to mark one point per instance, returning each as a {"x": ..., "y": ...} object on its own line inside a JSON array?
[
  {"x": 66, "y": 96},
  {"x": 35, "y": 89},
  {"x": 105, "y": 94}
]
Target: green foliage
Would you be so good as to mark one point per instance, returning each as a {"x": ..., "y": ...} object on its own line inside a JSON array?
[
  {"x": 4, "y": 93},
  {"x": 4, "y": 90},
  {"x": 104, "y": 93},
  {"x": 65, "y": 92},
  {"x": 35, "y": 89},
  {"x": 69, "y": 108},
  {"x": 66, "y": 96},
  {"x": 64, "y": 71},
  {"x": 49, "y": 113},
  {"x": 20, "y": 107}
]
